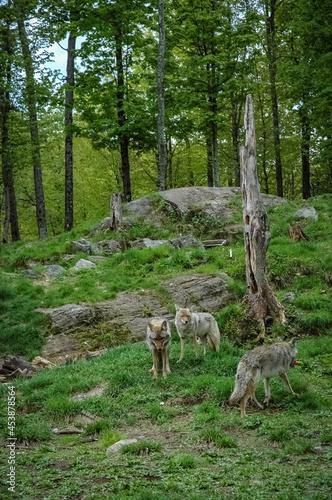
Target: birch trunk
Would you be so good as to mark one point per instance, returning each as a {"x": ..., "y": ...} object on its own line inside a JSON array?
[{"x": 259, "y": 296}]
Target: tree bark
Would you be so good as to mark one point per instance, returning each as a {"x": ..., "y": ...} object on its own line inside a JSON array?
[
  {"x": 120, "y": 95},
  {"x": 272, "y": 62},
  {"x": 34, "y": 133},
  {"x": 69, "y": 187},
  {"x": 236, "y": 117},
  {"x": 259, "y": 296},
  {"x": 209, "y": 162},
  {"x": 162, "y": 152},
  {"x": 11, "y": 216},
  {"x": 116, "y": 212},
  {"x": 305, "y": 153}
]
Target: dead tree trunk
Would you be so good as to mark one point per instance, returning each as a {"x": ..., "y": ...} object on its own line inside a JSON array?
[
  {"x": 116, "y": 212},
  {"x": 259, "y": 296}
]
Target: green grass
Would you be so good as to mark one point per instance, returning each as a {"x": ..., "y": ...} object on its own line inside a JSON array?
[{"x": 191, "y": 445}]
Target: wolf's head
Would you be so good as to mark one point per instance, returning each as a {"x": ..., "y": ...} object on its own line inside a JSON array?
[
  {"x": 158, "y": 333},
  {"x": 292, "y": 351},
  {"x": 184, "y": 315}
]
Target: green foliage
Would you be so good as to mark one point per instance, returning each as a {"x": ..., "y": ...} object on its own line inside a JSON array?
[
  {"x": 218, "y": 437},
  {"x": 142, "y": 447}
]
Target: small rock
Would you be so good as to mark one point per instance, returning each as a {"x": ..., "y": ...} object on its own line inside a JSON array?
[
  {"x": 81, "y": 245},
  {"x": 30, "y": 273},
  {"x": 111, "y": 246},
  {"x": 289, "y": 297},
  {"x": 68, "y": 430},
  {"x": 147, "y": 243},
  {"x": 186, "y": 241},
  {"x": 307, "y": 213},
  {"x": 54, "y": 270},
  {"x": 117, "y": 446},
  {"x": 84, "y": 264}
]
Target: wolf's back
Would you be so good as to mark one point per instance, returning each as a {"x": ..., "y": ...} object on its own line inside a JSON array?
[{"x": 243, "y": 377}]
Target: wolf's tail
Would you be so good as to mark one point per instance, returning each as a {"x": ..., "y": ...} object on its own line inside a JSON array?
[
  {"x": 214, "y": 335},
  {"x": 242, "y": 381}
]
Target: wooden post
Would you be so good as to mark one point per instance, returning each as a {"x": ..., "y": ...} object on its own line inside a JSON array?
[
  {"x": 116, "y": 212},
  {"x": 259, "y": 296}
]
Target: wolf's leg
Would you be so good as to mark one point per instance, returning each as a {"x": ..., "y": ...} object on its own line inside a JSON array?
[
  {"x": 253, "y": 397},
  {"x": 155, "y": 363},
  {"x": 163, "y": 357},
  {"x": 285, "y": 379},
  {"x": 182, "y": 340},
  {"x": 267, "y": 391},
  {"x": 196, "y": 346},
  {"x": 168, "y": 370},
  {"x": 243, "y": 403}
]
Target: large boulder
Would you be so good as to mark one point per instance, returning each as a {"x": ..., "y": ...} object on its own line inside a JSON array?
[
  {"x": 207, "y": 292},
  {"x": 211, "y": 201},
  {"x": 307, "y": 212},
  {"x": 68, "y": 316}
]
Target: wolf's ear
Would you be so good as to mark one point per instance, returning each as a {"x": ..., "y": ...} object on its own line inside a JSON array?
[
  {"x": 164, "y": 324},
  {"x": 292, "y": 342},
  {"x": 177, "y": 308},
  {"x": 150, "y": 325}
]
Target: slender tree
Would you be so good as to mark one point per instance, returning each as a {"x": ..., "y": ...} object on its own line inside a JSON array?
[
  {"x": 270, "y": 10},
  {"x": 33, "y": 120},
  {"x": 69, "y": 187},
  {"x": 162, "y": 151},
  {"x": 11, "y": 216}
]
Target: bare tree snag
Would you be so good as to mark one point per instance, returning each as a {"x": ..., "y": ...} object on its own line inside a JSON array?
[
  {"x": 296, "y": 232},
  {"x": 259, "y": 296},
  {"x": 116, "y": 212}
]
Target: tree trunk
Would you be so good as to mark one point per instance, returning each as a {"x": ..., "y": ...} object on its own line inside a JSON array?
[
  {"x": 162, "y": 153},
  {"x": 69, "y": 188},
  {"x": 170, "y": 183},
  {"x": 272, "y": 61},
  {"x": 116, "y": 212},
  {"x": 236, "y": 117},
  {"x": 191, "y": 180},
  {"x": 11, "y": 216},
  {"x": 259, "y": 296},
  {"x": 34, "y": 133},
  {"x": 120, "y": 95},
  {"x": 305, "y": 151},
  {"x": 266, "y": 179},
  {"x": 209, "y": 162}
]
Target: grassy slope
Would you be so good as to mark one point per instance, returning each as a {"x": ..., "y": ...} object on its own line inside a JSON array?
[{"x": 194, "y": 445}]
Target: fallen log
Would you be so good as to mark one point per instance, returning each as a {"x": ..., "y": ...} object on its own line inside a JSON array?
[{"x": 15, "y": 363}]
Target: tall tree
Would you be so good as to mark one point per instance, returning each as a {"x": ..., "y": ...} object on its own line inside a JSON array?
[
  {"x": 70, "y": 78},
  {"x": 33, "y": 120},
  {"x": 11, "y": 216},
  {"x": 270, "y": 10},
  {"x": 162, "y": 151}
]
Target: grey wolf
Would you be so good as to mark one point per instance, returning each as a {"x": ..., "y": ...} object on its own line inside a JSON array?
[
  {"x": 264, "y": 361},
  {"x": 200, "y": 327},
  {"x": 158, "y": 338}
]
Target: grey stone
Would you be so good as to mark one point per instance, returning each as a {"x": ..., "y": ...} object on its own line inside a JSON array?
[
  {"x": 147, "y": 243},
  {"x": 30, "y": 273},
  {"x": 186, "y": 241},
  {"x": 58, "y": 346},
  {"x": 208, "y": 293},
  {"x": 111, "y": 246},
  {"x": 67, "y": 316},
  {"x": 117, "y": 446},
  {"x": 289, "y": 297},
  {"x": 210, "y": 201},
  {"x": 54, "y": 270},
  {"x": 307, "y": 213},
  {"x": 97, "y": 258},
  {"x": 84, "y": 264},
  {"x": 96, "y": 249},
  {"x": 81, "y": 245}
]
